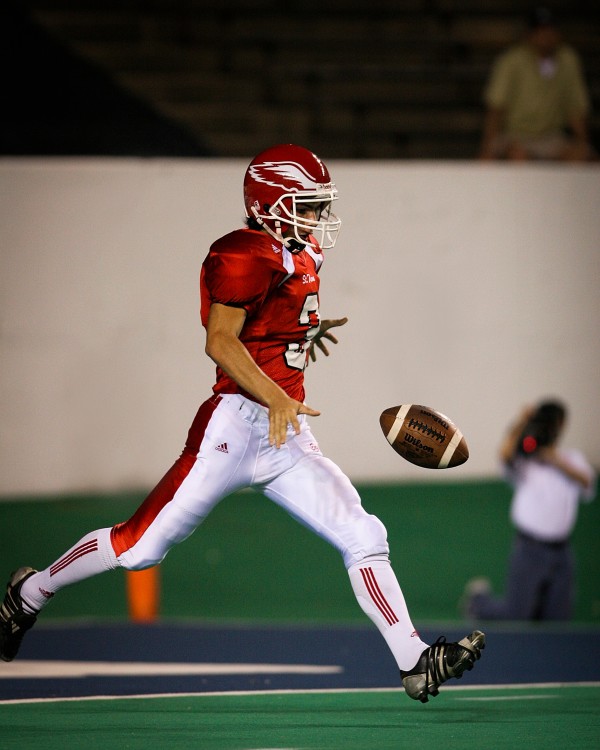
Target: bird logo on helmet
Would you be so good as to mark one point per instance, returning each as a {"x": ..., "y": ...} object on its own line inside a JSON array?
[
  {"x": 290, "y": 175},
  {"x": 280, "y": 180}
]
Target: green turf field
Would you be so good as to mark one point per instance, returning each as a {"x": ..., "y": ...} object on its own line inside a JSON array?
[
  {"x": 226, "y": 571},
  {"x": 458, "y": 719}
]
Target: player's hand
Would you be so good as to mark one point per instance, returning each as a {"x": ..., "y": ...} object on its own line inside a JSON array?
[
  {"x": 518, "y": 425},
  {"x": 323, "y": 333},
  {"x": 284, "y": 412}
]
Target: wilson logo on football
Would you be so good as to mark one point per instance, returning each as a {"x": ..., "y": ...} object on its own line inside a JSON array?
[
  {"x": 288, "y": 174},
  {"x": 418, "y": 444}
]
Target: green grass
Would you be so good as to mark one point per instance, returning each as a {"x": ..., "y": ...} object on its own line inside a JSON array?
[{"x": 485, "y": 719}]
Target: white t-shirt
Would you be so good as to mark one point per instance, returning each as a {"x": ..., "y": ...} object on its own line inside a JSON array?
[{"x": 546, "y": 500}]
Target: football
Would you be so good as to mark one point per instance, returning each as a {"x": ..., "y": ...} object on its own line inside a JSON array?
[{"x": 424, "y": 436}]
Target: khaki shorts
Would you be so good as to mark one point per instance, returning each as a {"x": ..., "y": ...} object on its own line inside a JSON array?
[{"x": 552, "y": 146}]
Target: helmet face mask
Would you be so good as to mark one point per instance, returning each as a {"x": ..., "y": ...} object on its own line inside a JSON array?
[
  {"x": 290, "y": 215},
  {"x": 288, "y": 191}
]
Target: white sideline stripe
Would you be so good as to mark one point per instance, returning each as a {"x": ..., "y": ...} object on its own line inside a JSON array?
[
  {"x": 398, "y": 421},
  {"x": 26, "y": 670},
  {"x": 317, "y": 691},
  {"x": 484, "y": 698},
  {"x": 449, "y": 452}
]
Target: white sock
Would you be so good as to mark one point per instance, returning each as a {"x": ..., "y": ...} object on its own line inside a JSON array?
[
  {"x": 380, "y": 597},
  {"x": 91, "y": 555}
]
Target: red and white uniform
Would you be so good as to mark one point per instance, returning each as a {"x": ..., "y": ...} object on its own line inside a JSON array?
[
  {"x": 228, "y": 448},
  {"x": 287, "y": 189},
  {"x": 279, "y": 292}
]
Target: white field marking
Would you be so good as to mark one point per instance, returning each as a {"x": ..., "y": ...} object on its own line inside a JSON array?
[
  {"x": 449, "y": 452},
  {"x": 27, "y": 670},
  {"x": 398, "y": 422},
  {"x": 317, "y": 691},
  {"x": 505, "y": 697}
]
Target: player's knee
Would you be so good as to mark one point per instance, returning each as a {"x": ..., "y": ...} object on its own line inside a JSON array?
[
  {"x": 131, "y": 561},
  {"x": 143, "y": 555},
  {"x": 169, "y": 528},
  {"x": 376, "y": 542},
  {"x": 370, "y": 538}
]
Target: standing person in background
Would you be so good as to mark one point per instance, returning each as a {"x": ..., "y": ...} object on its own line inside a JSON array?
[
  {"x": 536, "y": 98},
  {"x": 548, "y": 484},
  {"x": 259, "y": 291}
]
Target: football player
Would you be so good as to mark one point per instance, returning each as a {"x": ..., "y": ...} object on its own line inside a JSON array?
[{"x": 259, "y": 290}]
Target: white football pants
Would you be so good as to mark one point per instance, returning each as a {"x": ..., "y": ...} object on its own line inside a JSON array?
[
  {"x": 234, "y": 453},
  {"x": 228, "y": 449}
]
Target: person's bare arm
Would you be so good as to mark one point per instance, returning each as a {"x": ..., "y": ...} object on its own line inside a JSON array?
[
  {"x": 508, "y": 445},
  {"x": 224, "y": 347},
  {"x": 492, "y": 127},
  {"x": 580, "y": 148}
]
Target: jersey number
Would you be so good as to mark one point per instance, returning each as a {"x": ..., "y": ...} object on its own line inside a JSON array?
[{"x": 295, "y": 355}]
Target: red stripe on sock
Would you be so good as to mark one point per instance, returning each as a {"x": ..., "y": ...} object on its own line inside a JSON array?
[
  {"x": 373, "y": 595},
  {"x": 381, "y": 598},
  {"x": 377, "y": 596},
  {"x": 83, "y": 549}
]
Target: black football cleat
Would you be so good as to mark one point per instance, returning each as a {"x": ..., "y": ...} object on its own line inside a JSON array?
[
  {"x": 14, "y": 621},
  {"x": 439, "y": 663}
]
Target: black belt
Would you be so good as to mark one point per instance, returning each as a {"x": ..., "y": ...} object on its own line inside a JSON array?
[{"x": 542, "y": 542}]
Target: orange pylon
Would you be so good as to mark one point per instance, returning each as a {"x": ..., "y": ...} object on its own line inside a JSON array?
[{"x": 143, "y": 594}]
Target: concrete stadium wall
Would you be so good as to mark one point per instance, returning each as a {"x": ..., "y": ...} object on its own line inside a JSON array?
[{"x": 470, "y": 288}]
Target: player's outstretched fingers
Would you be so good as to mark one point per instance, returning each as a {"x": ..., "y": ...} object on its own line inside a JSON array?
[{"x": 304, "y": 409}]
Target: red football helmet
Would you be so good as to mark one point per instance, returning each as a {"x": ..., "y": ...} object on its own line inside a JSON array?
[{"x": 281, "y": 179}]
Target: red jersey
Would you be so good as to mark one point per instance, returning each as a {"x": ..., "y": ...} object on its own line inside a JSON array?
[{"x": 279, "y": 292}]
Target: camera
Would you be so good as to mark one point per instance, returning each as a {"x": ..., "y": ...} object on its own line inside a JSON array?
[{"x": 542, "y": 428}]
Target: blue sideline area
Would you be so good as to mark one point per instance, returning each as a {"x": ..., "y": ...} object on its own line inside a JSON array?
[{"x": 512, "y": 656}]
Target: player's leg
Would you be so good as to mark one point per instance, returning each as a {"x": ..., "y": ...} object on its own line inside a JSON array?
[
  {"x": 318, "y": 494},
  {"x": 203, "y": 474},
  {"x": 110, "y": 548}
]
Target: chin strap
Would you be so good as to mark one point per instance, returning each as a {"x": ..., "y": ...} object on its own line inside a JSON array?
[
  {"x": 293, "y": 245},
  {"x": 290, "y": 243}
]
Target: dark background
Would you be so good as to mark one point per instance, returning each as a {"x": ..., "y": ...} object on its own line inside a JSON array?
[{"x": 192, "y": 78}]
